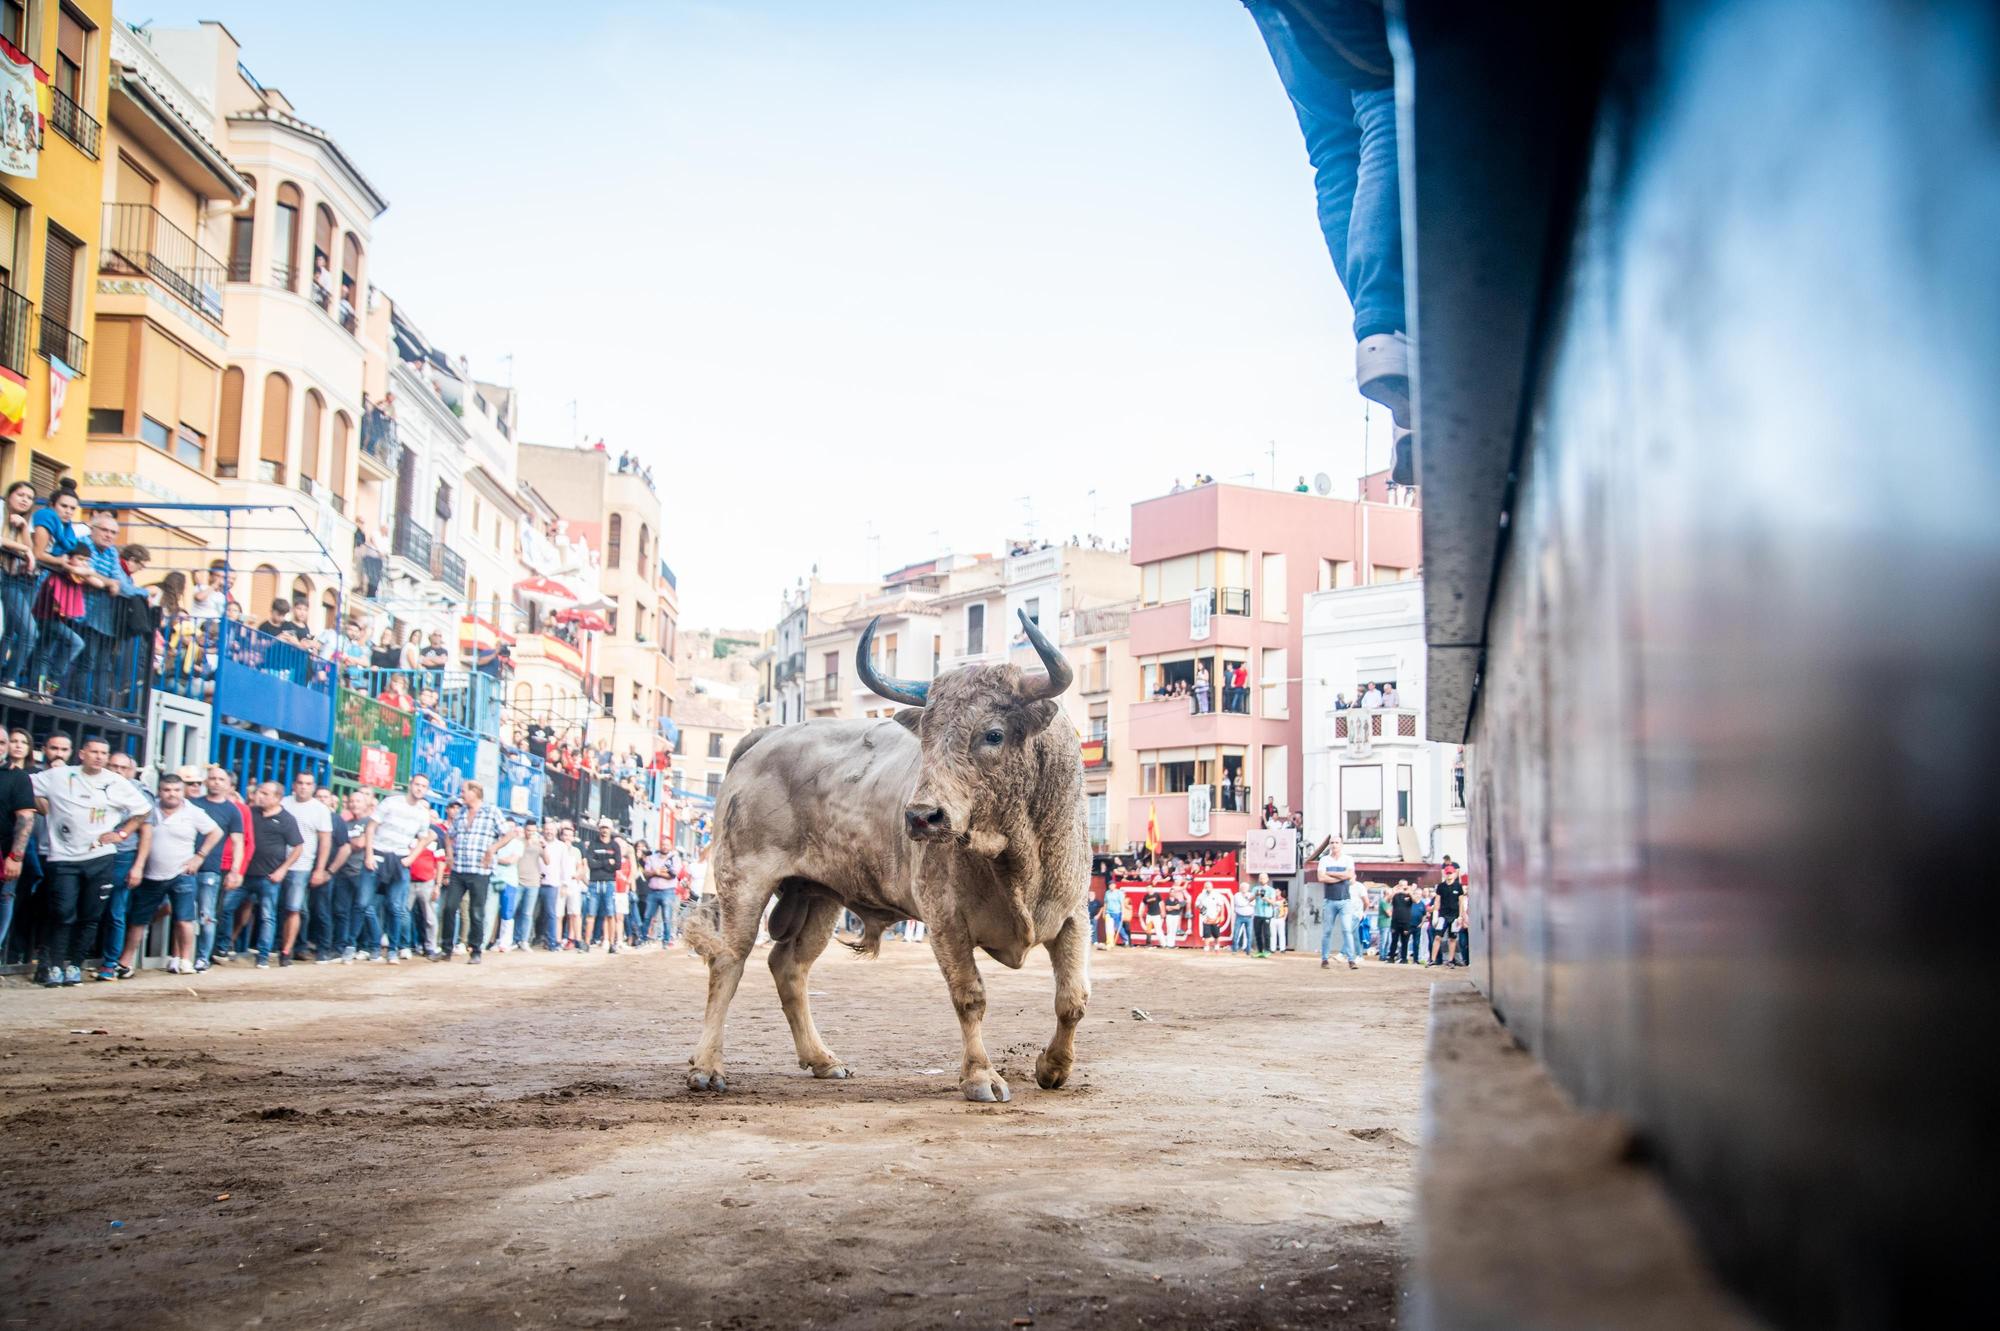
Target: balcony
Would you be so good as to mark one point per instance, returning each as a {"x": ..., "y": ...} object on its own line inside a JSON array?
[
  {"x": 59, "y": 343},
  {"x": 139, "y": 242},
  {"x": 1361, "y": 728},
  {"x": 547, "y": 647},
  {"x": 73, "y": 122},
  {"x": 1169, "y": 723},
  {"x": 824, "y": 692},
  {"x": 412, "y": 542},
  {"x": 448, "y": 566},
  {"x": 1224, "y": 825},
  {"x": 379, "y": 443},
  {"x": 16, "y": 312},
  {"x": 1097, "y": 752}
]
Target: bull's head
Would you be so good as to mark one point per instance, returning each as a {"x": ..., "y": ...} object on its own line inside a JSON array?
[{"x": 977, "y": 726}]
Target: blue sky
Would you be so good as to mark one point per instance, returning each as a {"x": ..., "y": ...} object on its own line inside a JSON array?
[{"x": 862, "y": 280}]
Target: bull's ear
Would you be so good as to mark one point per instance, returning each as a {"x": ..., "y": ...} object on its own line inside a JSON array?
[
  {"x": 1039, "y": 714},
  {"x": 909, "y": 718}
]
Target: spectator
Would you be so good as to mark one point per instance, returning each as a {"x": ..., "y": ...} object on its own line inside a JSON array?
[
  {"x": 413, "y": 650},
  {"x": 279, "y": 625},
  {"x": 276, "y": 844},
  {"x": 386, "y": 655},
  {"x": 1389, "y": 695},
  {"x": 1212, "y": 905},
  {"x": 1405, "y": 914},
  {"x": 60, "y": 599},
  {"x": 1450, "y": 898},
  {"x": 1342, "y": 909},
  {"x": 562, "y": 891},
  {"x": 1302, "y": 487},
  {"x": 1115, "y": 929},
  {"x": 662, "y": 873},
  {"x": 1372, "y": 697},
  {"x": 17, "y": 825},
  {"x": 219, "y": 881},
  {"x": 18, "y": 579},
  {"x": 1281, "y": 921},
  {"x": 506, "y": 891},
  {"x": 1333, "y": 59},
  {"x": 306, "y": 879},
  {"x": 111, "y": 927},
  {"x": 90, "y": 811},
  {"x": 176, "y": 843},
  {"x": 603, "y": 857},
  {"x": 435, "y": 655},
  {"x": 472, "y": 840},
  {"x": 352, "y": 887},
  {"x": 1201, "y": 691},
  {"x": 397, "y": 826},
  {"x": 1263, "y": 906},
  {"x": 1340, "y": 703}
]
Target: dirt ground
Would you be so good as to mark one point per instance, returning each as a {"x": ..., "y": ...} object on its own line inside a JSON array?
[{"x": 512, "y": 1145}]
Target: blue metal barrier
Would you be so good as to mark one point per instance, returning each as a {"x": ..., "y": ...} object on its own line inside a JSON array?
[
  {"x": 252, "y": 758},
  {"x": 522, "y": 786},
  {"x": 445, "y": 754},
  {"x": 466, "y": 699},
  {"x": 275, "y": 683}
]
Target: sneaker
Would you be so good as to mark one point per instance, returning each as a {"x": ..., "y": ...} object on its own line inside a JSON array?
[
  {"x": 200, "y": 965},
  {"x": 72, "y": 975},
  {"x": 472, "y": 960},
  {"x": 613, "y": 948},
  {"x": 1352, "y": 964},
  {"x": 284, "y": 959},
  {"x": 323, "y": 961},
  {"x": 1382, "y": 373},
  {"x": 403, "y": 953},
  {"x": 48, "y": 976},
  {"x": 263, "y": 964},
  {"x": 347, "y": 957},
  {"x": 391, "y": 958},
  {"x": 1322, "y": 963}
]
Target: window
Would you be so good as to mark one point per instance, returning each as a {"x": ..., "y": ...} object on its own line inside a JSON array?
[
  {"x": 107, "y": 420},
  {"x": 1272, "y": 681},
  {"x": 242, "y": 233},
  {"x": 72, "y": 39},
  {"x": 322, "y": 260},
  {"x": 1097, "y": 807},
  {"x": 13, "y": 236},
  {"x": 975, "y": 629},
  {"x": 1334, "y": 574},
  {"x": 1390, "y": 573},
  {"x": 1176, "y": 579},
  {"x": 1361, "y": 804},
  {"x": 714, "y": 787},
  {"x": 14, "y": 22},
  {"x": 155, "y": 433},
  {"x": 887, "y": 654},
  {"x": 343, "y": 430},
  {"x": 715, "y": 744},
  {"x": 607, "y": 688},
  {"x": 1034, "y": 609},
  {"x": 59, "y": 285},
  {"x": 285, "y": 238},
  {"x": 309, "y": 437},
  {"x": 277, "y": 416},
  {"x": 1405, "y": 796},
  {"x": 229, "y": 436},
  {"x": 614, "y": 540},
  {"x": 1277, "y": 775},
  {"x": 1275, "y": 604}
]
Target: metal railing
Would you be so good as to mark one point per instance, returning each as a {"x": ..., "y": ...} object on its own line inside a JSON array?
[
  {"x": 822, "y": 690},
  {"x": 73, "y": 122},
  {"x": 411, "y": 541},
  {"x": 140, "y": 241},
  {"x": 59, "y": 343},
  {"x": 1232, "y": 601},
  {"x": 448, "y": 566},
  {"x": 16, "y": 310},
  {"x": 378, "y": 437}
]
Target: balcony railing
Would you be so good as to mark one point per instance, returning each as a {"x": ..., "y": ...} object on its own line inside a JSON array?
[
  {"x": 411, "y": 541},
  {"x": 825, "y": 690},
  {"x": 448, "y": 566},
  {"x": 378, "y": 438},
  {"x": 1229, "y": 600},
  {"x": 139, "y": 241},
  {"x": 1358, "y": 725},
  {"x": 73, "y": 122},
  {"x": 59, "y": 343},
  {"x": 16, "y": 312}
]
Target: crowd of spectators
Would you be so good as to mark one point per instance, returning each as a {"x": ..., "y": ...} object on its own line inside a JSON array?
[
  {"x": 1369, "y": 696},
  {"x": 75, "y": 619},
  {"x": 95, "y": 857}
]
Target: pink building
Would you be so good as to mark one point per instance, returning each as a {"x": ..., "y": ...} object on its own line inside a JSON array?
[{"x": 1223, "y": 571}]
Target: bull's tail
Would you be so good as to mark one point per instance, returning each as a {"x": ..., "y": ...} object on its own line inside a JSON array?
[{"x": 703, "y": 927}]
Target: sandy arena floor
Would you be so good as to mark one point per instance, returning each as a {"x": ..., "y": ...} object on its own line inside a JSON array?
[{"x": 370, "y": 1146}]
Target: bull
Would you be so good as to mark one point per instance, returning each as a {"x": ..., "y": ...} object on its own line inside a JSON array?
[{"x": 964, "y": 810}]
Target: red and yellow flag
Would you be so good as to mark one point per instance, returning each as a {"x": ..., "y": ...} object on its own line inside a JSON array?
[{"x": 1153, "y": 828}]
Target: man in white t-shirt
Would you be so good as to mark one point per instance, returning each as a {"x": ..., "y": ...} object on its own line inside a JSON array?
[
  {"x": 88, "y": 810},
  {"x": 175, "y": 843},
  {"x": 1342, "y": 911},
  {"x": 1242, "y": 911},
  {"x": 308, "y": 877},
  {"x": 396, "y": 827},
  {"x": 1212, "y": 905}
]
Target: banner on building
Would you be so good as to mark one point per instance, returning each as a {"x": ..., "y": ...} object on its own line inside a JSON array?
[
  {"x": 1200, "y": 606},
  {"x": 1272, "y": 850},
  {"x": 60, "y": 377},
  {"x": 1198, "y": 804},
  {"x": 20, "y": 113},
  {"x": 13, "y": 404}
]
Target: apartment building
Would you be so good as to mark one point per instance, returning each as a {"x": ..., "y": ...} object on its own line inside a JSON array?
[
  {"x": 909, "y": 639},
  {"x": 54, "y": 63},
  {"x": 809, "y": 609},
  {"x": 1224, "y": 572},
  {"x": 616, "y": 513}
]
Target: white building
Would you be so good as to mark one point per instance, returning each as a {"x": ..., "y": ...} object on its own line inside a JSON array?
[{"x": 1395, "y": 797}]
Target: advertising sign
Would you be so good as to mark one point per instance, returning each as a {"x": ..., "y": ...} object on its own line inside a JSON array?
[
  {"x": 1272, "y": 850},
  {"x": 1199, "y": 607}
]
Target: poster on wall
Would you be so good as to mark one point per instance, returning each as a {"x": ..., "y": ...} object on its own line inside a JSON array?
[
  {"x": 60, "y": 377},
  {"x": 20, "y": 114}
]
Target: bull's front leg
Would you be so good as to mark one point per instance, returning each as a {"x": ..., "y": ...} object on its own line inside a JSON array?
[
  {"x": 953, "y": 949},
  {"x": 1069, "y": 955}
]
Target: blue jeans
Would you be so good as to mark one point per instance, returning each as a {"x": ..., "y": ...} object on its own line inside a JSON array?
[
  {"x": 17, "y": 643},
  {"x": 265, "y": 892},
  {"x": 551, "y": 899},
  {"x": 121, "y": 896},
  {"x": 392, "y": 881},
  {"x": 207, "y": 887},
  {"x": 1343, "y": 919},
  {"x": 7, "y": 890},
  {"x": 600, "y": 900},
  {"x": 1350, "y": 133},
  {"x": 1239, "y": 934},
  {"x": 351, "y": 911},
  {"x": 54, "y": 654},
  {"x": 661, "y": 904}
]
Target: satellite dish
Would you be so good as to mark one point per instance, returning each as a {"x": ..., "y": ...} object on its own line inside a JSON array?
[{"x": 1323, "y": 484}]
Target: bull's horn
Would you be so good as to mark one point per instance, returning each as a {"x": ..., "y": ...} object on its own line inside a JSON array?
[
  {"x": 915, "y": 692},
  {"x": 1060, "y": 674}
]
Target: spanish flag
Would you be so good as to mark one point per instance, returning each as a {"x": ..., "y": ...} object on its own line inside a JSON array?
[
  {"x": 1153, "y": 828},
  {"x": 13, "y": 404}
]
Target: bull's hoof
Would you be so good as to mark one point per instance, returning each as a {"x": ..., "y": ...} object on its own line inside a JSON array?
[
  {"x": 700, "y": 1079},
  {"x": 1051, "y": 1072},
  {"x": 986, "y": 1088},
  {"x": 832, "y": 1072}
]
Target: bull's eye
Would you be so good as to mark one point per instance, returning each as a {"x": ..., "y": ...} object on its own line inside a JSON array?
[{"x": 996, "y": 736}]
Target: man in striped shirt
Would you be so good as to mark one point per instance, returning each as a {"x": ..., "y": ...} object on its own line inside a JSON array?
[{"x": 472, "y": 840}]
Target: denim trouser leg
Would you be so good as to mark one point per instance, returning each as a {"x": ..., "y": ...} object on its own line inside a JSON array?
[
  {"x": 17, "y": 643},
  {"x": 55, "y": 653},
  {"x": 207, "y": 887},
  {"x": 7, "y": 891},
  {"x": 1348, "y": 922},
  {"x": 551, "y": 916},
  {"x": 267, "y": 892},
  {"x": 1350, "y": 136},
  {"x": 392, "y": 883},
  {"x": 225, "y": 916}
]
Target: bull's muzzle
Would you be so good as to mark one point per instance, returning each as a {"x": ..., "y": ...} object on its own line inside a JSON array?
[{"x": 926, "y": 822}]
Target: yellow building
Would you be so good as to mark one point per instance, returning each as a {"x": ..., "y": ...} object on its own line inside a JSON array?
[{"x": 51, "y": 204}]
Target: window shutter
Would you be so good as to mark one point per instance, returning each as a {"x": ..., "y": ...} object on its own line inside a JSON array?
[
  {"x": 59, "y": 277},
  {"x": 108, "y": 389},
  {"x": 197, "y": 393},
  {"x": 229, "y": 437},
  {"x": 160, "y": 378}
]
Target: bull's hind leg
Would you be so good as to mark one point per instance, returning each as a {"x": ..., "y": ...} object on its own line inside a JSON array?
[
  {"x": 791, "y": 959},
  {"x": 977, "y": 1077},
  {"x": 1069, "y": 955},
  {"x": 725, "y": 943}
]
